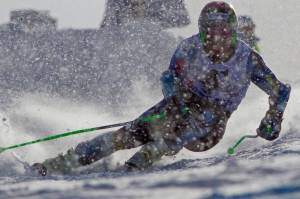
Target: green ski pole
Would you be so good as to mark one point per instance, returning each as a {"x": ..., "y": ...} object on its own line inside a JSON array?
[
  {"x": 57, "y": 136},
  {"x": 231, "y": 150}
]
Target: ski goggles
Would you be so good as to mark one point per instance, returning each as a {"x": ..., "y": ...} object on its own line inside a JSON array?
[
  {"x": 218, "y": 19},
  {"x": 218, "y": 16}
]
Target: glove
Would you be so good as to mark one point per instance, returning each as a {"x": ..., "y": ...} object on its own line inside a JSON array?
[{"x": 270, "y": 125}]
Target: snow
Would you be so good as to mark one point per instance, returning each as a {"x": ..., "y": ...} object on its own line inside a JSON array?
[{"x": 260, "y": 169}]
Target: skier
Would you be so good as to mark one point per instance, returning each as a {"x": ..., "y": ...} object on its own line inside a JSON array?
[
  {"x": 246, "y": 31},
  {"x": 208, "y": 77}
]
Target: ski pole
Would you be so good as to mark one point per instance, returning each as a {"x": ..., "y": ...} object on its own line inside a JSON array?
[
  {"x": 57, "y": 136},
  {"x": 149, "y": 118},
  {"x": 231, "y": 150}
]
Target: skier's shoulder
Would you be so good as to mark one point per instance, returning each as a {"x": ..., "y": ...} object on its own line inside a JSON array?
[
  {"x": 243, "y": 49},
  {"x": 250, "y": 55},
  {"x": 189, "y": 43}
]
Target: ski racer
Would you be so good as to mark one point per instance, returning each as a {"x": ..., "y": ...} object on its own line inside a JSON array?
[
  {"x": 246, "y": 31},
  {"x": 207, "y": 79}
]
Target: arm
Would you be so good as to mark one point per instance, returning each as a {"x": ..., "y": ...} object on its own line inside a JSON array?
[
  {"x": 167, "y": 81},
  {"x": 170, "y": 78},
  {"x": 278, "y": 92}
]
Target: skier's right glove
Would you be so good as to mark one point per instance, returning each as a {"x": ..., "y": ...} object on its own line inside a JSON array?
[{"x": 270, "y": 125}]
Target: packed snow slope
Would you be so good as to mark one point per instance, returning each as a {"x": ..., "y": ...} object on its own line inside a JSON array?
[{"x": 260, "y": 169}]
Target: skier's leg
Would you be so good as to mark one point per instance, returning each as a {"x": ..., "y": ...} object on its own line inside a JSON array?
[
  {"x": 206, "y": 128},
  {"x": 164, "y": 134},
  {"x": 138, "y": 133},
  {"x": 90, "y": 151},
  {"x": 148, "y": 154},
  {"x": 125, "y": 138}
]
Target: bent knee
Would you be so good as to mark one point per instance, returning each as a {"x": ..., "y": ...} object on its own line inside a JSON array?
[
  {"x": 203, "y": 143},
  {"x": 86, "y": 153},
  {"x": 82, "y": 149}
]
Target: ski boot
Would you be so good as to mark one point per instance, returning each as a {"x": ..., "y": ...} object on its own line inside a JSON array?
[{"x": 38, "y": 169}]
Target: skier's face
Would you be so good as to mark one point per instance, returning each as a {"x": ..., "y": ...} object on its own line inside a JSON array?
[{"x": 219, "y": 37}]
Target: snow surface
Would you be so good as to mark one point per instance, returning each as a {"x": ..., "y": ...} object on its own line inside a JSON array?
[{"x": 260, "y": 169}]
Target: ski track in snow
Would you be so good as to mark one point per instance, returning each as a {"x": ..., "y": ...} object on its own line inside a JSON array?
[{"x": 258, "y": 172}]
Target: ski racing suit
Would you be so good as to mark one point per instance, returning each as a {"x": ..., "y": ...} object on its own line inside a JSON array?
[{"x": 199, "y": 97}]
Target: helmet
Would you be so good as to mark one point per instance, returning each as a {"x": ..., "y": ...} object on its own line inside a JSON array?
[
  {"x": 245, "y": 23},
  {"x": 217, "y": 12},
  {"x": 246, "y": 31}
]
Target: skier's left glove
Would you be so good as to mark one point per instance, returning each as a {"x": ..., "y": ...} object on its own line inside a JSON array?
[{"x": 270, "y": 125}]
